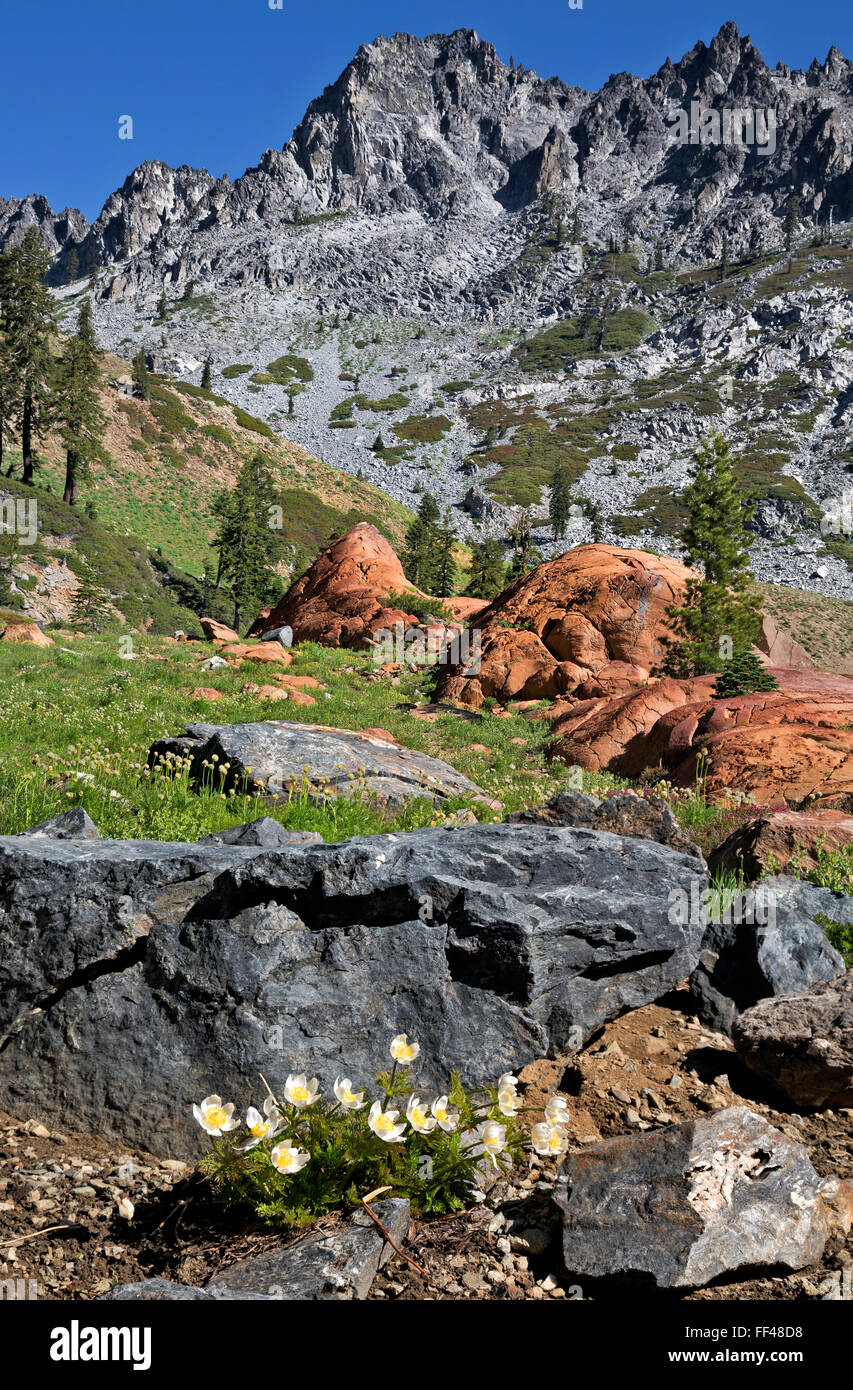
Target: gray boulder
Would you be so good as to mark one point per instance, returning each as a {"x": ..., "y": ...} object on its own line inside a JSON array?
[
  {"x": 766, "y": 943},
  {"x": 647, "y": 818},
  {"x": 74, "y": 824},
  {"x": 136, "y": 978},
  {"x": 802, "y": 1043},
  {"x": 265, "y": 832},
  {"x": 282, "y": 635},
  {"x": 274, "y": 755},
  {"x": 680, "y": 1206},
  {"x": 328, "y": 1265}
]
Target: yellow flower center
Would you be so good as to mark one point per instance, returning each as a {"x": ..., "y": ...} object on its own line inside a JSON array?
[
  {"x": 555, "y": 1142},
  {"x": 491, "y": 1141},
  {"x": 384, "y": 1122},
  {"x": 300, "y": 1093},
  {"x": 215, "y": 1116},
  {"x": 349, "y": 1098},
  {"x": 285, "y": 1159},
  {"x": 441, "y": 1116},
  {"x": 419, "y": 1117},
  {"x": 259, "y": 1130}
]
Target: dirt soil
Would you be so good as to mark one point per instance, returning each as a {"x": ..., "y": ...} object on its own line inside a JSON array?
[{"x": 125, "y": 1216}]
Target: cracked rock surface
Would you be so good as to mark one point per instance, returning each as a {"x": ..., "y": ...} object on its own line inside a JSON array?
[{"x": 137, "y": 977}]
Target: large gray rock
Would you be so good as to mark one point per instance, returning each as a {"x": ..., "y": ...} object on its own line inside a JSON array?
[
  {"x": 646, "y": 818},
  {"x": 136, "y": 978},
  {"x": 274, "y": 755},
  {"x": 766, "y": 943},
  {"x": 328, "y": 1265},
  {"x": 680, "y": 1206},
  {"x": 74, "y": 824},
  {"x": 166, "y": 1291},
  {"x": 802, "y": 1043},
  {"x": 264, "y": 831}
]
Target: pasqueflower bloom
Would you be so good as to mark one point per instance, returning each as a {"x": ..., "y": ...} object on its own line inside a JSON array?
[
  {"x": 402, "y": 1050},
  {"x": 557, "y": 1111},
  {"x": 549, "y": 1139},
  {"x": 418, "y": 1118},
  {"x": 260, "y": 1126},
  {"x": 349, "y": 1099},
  {"x": 213, "y": 1116},
  {"x": 509, "y": 1102},
  {"x": 490, "y": 1139},
  {"x": 382, "y": 1123},
  {"x": 301, "y": 1092},
  {"x": 447, "y": 1116},
  {"x": 287, "y": 1159}
]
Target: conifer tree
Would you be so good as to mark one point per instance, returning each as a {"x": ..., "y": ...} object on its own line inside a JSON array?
[
  {"x": 419, "y": 559},
  {"x": 488, "y": 571},
  {"x": 445, "y": 566},
  {"x": 72, "y": 266},
  {"x": 6, "y": 376},
  {"x": 744, "y": 673},
  {"x": 244, "y": 542},
  {"x": 206, "y": 375},
  {"x": 29, "y": 318},
  {"x": 91, "y": 602},
  {"x": 718, "y": 604},
  {"x": 560, "y": 504},
  {"x": 724, "y": 257},
  {"x": 792, "y": 217},
  {"x": 525, "y": 554},
  {"x": 141, "y": 383},
  {"x": 79, "y": 414}
]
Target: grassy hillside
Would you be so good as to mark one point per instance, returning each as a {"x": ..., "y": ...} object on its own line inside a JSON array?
[{"x": 171, "y": 454}]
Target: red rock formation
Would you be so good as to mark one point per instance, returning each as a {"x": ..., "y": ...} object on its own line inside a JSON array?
[
  {"x": 218, "y": 632},
  {"x": 339, "y": 601},
  {"x": 782, "y": 746},
  {"x": 588, "y": 622},
  {"x": 769, "y": 843},
  {"x": 26, "y": 632}
]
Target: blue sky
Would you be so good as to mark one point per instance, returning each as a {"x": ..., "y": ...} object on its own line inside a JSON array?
[{"x": 212, "y": 83}]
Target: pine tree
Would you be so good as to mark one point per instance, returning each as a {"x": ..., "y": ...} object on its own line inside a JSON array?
[
  {"x": 659, "y": 262},
  {"x": 206, "y": 375},
  {"x": 79, "y": 413},
  {"x": 29, "y": 323},
  {"x": 717, "y": 605},
  {"x": 560, "y": 505},
  {"x": 446, "y": 580},
  {"x": 91, "y": 602},
  {"x": 525, "y": 554},
  {"x": 6, "y": 374},
  {"x": 378, "y": 444},
  {"x": 162, "y": 306},
  {"x": 724, "y": 257},
  {"x": 72, "y": 266},
  {"x": 488, "y": 571},
  {"x": 244, "y": 542},
  {"x": 742, "y": 674},
  {"x": 792, "y": 217},
  {"x": 141, "y": 384},
  {"x": 577, "y": 230},
  {"x": 419, "y": 559}
]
